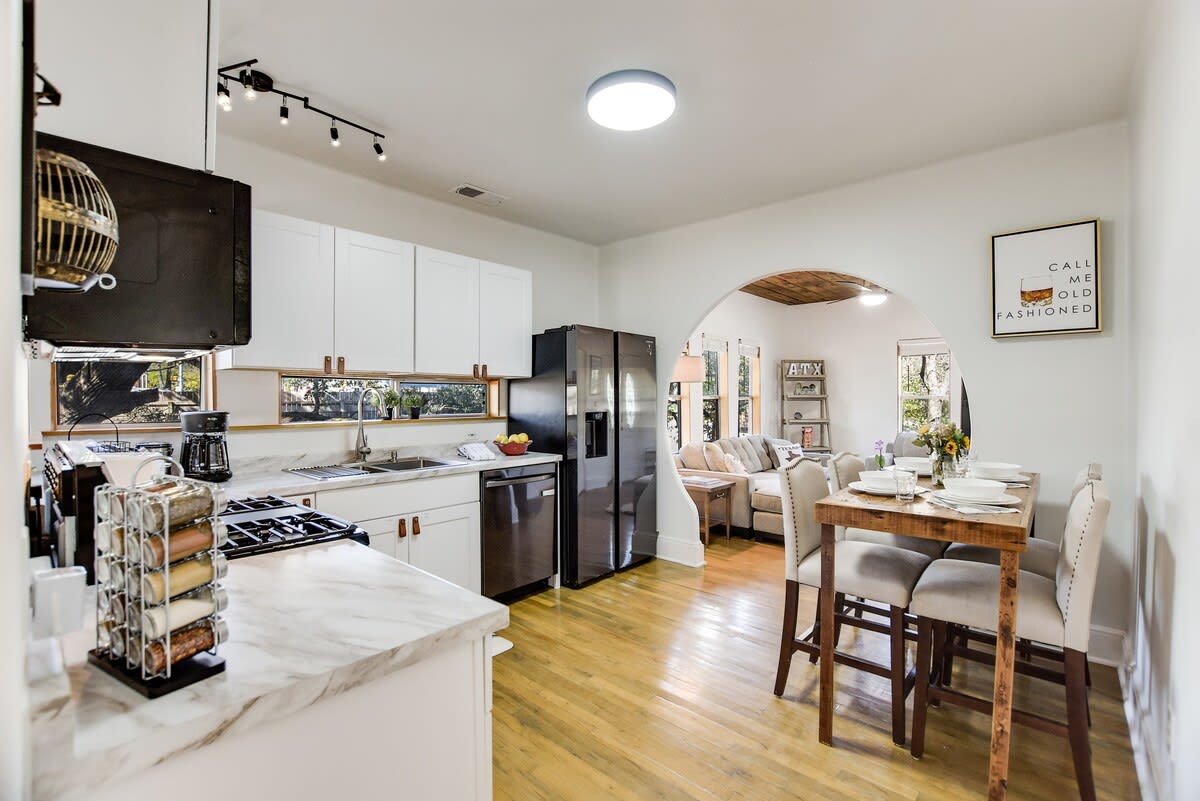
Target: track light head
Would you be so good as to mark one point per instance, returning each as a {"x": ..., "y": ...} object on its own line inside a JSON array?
[
  {"x": 283, "y": 113},
  {"x": 248, "y": 84},
  {"x": 223, "y": 99},
  {"x": 333, "y": 134},
  {"x": 379, "y": 150}
]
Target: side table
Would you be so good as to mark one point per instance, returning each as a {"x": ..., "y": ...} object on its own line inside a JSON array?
[{"x": 703, "y": 495}]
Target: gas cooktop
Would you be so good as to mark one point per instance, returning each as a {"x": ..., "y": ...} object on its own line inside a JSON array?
[{"x": 270, "y": 523}]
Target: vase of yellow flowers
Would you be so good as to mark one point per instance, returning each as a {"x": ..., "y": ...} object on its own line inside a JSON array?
[{"x": 946, "y": 444}]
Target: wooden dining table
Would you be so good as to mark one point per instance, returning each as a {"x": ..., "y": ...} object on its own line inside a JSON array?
[{"x": 1007, "y": 533}]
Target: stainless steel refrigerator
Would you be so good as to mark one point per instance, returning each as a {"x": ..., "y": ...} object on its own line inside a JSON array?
[{"x": 592, "y": 400}]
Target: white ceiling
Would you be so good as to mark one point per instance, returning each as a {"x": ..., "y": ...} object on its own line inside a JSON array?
[{"x": 776, "y": 98}]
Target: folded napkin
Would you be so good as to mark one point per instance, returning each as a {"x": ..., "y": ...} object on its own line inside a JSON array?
[{"x": 968, "y": 509}]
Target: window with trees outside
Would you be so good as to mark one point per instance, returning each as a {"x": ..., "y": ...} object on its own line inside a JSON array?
[
  {"x": 748, "y": 389},
  {"x": 310, "y": 398},
  {"x": 674, "y": 416},
  {"x": 127, "y": 392},
  {"x": 924, "y": 383},
  {"x": 712, "y": 396}
]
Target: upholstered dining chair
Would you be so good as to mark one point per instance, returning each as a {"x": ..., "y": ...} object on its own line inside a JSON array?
[
  {"x": 883, "y": 573},
  {"x": 844, "y": 468},
  {"x": 1039, "y": 556},
  {"x": 1055, "y": 611}
]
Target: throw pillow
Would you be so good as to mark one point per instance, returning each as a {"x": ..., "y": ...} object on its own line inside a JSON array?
[
  {"x": 693, "y": 457},
  {"x": 715, "y": 457},
  {"x": 734, "y": 465},
  {"x": 781, "y": 450}
]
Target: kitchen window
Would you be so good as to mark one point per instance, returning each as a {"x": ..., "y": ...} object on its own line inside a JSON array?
[
  {"x": 128, "y": 392},
  {"x": 320, "y": 398},
  {"x": 748, "y": 384},
  {"x": 713, "y": 427},
  {"x": 924, "y": 392}
]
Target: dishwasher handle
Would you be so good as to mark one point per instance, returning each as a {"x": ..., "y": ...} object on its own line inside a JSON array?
[{"x": 508, "y": 482}]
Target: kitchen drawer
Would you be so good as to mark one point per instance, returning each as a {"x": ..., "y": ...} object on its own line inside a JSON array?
[{"x": 403, "y": 497}]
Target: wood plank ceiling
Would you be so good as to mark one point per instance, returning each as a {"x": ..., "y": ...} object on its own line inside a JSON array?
[{"x": 805, "y": 286}]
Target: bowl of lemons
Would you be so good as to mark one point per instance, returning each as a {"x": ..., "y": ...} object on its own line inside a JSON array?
[{"x": 513, "y": 444}]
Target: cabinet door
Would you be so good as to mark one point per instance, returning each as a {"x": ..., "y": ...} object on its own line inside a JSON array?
[
  {"x": 445, "y": 542},
  {"x": 291, "y": 295},
  {"x": 446, "y": 315},
  {"x": 385, "y": 536},
  {"x": 373, "y": 325},
  {"x": 505, "y": 320}
]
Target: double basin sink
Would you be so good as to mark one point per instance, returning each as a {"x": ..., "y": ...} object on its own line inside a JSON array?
[{"x": 401, "y": 465}]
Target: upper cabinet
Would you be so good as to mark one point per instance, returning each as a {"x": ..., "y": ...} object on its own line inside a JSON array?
[
  {"x": 373, "y": 301},
  {"x": 446, "y": 317},
  {"x": 505, "y": 320},
  {"x": 339, "y": 301},
  {"x": 291, "y": 293},
  {"x": 136, "y": 76}
]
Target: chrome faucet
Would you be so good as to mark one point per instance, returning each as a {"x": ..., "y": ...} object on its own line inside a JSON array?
[{"x": 360, "y": 445}]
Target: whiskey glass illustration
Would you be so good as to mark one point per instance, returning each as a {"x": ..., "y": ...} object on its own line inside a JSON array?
[{"x": 1037, "y": 290}]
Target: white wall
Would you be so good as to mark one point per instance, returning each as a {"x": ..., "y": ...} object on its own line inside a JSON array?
[
  {"x": 1164, "y": 696},
  {"x": 14, "y": 549},
  {"x": 1061, "y": 400}
]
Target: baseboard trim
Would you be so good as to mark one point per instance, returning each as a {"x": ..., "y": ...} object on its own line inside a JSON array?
[
  {"x": 1134, "y": 717},
  {"x": 688, "y": 552},
  {"x": 1107, "y": 646}
]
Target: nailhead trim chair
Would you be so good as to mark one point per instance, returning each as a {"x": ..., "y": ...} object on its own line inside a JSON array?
[
  {"x": 883, "y": 573},
  {"x": 1053, "y": 611}
]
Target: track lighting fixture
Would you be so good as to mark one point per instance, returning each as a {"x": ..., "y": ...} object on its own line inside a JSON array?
[
  {"x": 248, "y": 82},
  {"x": 255, "y": 82}
]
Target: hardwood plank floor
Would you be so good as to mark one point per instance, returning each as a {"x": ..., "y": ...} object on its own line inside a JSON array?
[{"x": 656, "y": 684}]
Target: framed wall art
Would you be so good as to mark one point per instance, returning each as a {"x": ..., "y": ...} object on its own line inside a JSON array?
[{"x": 1047, "y": 280}]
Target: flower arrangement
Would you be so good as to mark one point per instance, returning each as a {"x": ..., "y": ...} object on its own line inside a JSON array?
[
  {"x": 945, "y": 442},
  {"x": 879, "y": 454}
]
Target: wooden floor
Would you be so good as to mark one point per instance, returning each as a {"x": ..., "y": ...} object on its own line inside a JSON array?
[{"x": 656, "y": 684}]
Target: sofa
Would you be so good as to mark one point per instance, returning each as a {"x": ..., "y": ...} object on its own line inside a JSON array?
[{"x": 756, "y": 502}]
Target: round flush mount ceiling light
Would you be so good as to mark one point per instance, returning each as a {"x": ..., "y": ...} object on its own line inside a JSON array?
[{"x": 631, "y": 100}]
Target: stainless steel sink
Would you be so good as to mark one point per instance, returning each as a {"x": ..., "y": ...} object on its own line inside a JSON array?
[
  {"x": 351, "y": 469},
  {"x": 409, "y": 463}
]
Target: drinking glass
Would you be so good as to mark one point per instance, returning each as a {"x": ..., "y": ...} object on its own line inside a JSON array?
[
  {"x": 956, "y": 468},
  {"x": 906, "y": 484}
]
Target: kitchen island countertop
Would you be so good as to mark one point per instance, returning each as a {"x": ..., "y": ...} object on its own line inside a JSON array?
[{"x": 305, "y": 625}]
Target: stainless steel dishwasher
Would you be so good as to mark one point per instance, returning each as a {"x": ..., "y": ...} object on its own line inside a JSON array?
[{"x": 520, "y": 527}]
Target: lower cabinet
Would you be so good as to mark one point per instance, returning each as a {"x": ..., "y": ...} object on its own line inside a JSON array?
[
  {"x": 432, "y": 523},
  {"x": 445, "y": 542}
]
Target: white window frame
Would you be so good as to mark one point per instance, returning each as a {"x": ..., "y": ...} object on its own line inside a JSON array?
[{"x": 922, "y": 347}]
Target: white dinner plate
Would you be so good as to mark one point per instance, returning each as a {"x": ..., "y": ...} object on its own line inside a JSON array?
[
  {"x": 922, "y": 472},
  {"x": 1017, "y": 478},
  {"x": 871, "y": 489},
  {"x": 1004, "y": 500}
]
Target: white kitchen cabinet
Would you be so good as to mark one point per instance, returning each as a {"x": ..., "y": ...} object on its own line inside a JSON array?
[
  {"x": 446, "y": 543},
  {"x": 291, "y": 325},
  {"x": 136, "y": 76},
  {"x": 373, "y": 301},
  {"x": 505, "y": 320},
  {"x": 388, "y": 535},
  {"x": 446, "y": 315}
]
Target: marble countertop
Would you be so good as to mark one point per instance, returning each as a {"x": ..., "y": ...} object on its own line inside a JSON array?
[
  {"x": 305, "y": 624},
  {"x": 268, "y": 477}
]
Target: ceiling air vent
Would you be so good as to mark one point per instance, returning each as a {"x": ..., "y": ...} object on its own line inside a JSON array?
[{"x": 479, "y": 195}]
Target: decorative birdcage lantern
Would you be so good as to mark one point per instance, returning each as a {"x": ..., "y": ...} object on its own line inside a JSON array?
[{"x": 76, "y": 227}]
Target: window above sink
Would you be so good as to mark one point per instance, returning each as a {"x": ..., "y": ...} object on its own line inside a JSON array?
[{"x": 320, "y": 398}]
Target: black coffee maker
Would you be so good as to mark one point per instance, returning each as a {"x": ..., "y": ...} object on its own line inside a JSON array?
[{"x": 205, "y": 455}]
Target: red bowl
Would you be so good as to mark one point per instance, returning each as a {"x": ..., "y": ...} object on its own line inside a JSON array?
[{"x": 514, "y": 448}]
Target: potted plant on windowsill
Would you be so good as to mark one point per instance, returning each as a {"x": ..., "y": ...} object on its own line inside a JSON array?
[
  {"x": 391, "y": 404},
  {"x": 412, "y": 402}
]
